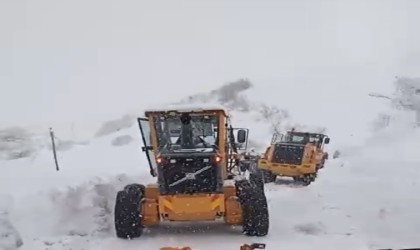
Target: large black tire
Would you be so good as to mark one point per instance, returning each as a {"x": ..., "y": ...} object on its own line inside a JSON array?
[
  {"x": 306, "y": 179},
  {"x": 321, "y": 164},
  {"x": 268, "y": 176},
  {"x": 127, "y": 212},
  {"x": 254, "y": 209},
  {"x": 135, "y": 189},
  {"x": 257, "y": 180},
  {"x": 256, "y": 176}
]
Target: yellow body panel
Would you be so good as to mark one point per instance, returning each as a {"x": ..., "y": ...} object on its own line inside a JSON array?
[
  {"x": 197, "y": 207},
  {"x": 233, "y": 215},
  {"x": 308, "y": 166},
  {"x": 286, "y": 169},
  {"x": 233, "y": 211},
  {"x": 150, "y": 209},
  {"x": 319, "y": 156}
]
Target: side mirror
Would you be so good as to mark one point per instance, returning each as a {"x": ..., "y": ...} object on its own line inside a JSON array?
[
  {"x": 327, "y": 140},
  {"x": 241, "y": 136}
]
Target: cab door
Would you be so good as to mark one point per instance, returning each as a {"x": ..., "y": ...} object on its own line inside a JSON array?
[{"x": 144, "y": 127}]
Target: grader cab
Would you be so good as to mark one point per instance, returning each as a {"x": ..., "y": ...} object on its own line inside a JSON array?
[
  {"x": 297, "y": 154},
  {"x": 190, "y": 152}
]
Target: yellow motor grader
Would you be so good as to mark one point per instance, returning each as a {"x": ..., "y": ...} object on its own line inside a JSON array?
[
  {"x": 190, "y": 152},
  {"x": 297, "y": 154}
]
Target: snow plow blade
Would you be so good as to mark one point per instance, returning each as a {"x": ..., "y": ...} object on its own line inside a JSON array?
[{"x": 243, "y": 247}]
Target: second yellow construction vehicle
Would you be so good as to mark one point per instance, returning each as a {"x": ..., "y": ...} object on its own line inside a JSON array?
[
  {"x": 297, "y": 154},
  {"x": 192, "y": 153}
]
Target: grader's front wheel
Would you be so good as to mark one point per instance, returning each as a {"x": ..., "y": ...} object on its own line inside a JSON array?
[
  {"x": 127, "y": 218},
  {"x": 254, "y": 209}
]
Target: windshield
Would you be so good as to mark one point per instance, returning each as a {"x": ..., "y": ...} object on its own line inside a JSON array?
[
  {"x": 300, "y": 138},
  {"x": 296, "y": 138},
  {"x": 198, "y": 132}
]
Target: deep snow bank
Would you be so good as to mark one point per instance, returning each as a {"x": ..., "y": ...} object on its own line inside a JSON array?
[
  {"x": 77, "y": 200},
  {"x": 9, "y": 237}
]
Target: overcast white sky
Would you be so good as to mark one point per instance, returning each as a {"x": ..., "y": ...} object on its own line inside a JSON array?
[{"x": 88, "y": 60}]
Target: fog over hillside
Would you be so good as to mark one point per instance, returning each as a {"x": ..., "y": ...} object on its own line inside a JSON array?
[{"x": 115, "y": 58}]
